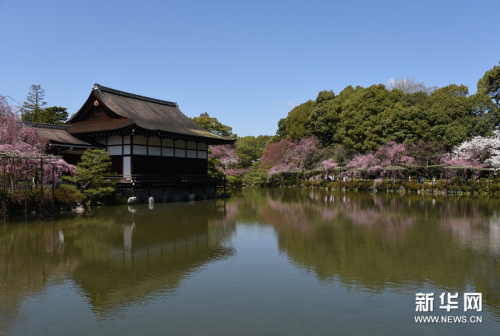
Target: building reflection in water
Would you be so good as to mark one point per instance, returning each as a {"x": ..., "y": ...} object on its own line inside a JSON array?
[{"x": 117, "y": 257}]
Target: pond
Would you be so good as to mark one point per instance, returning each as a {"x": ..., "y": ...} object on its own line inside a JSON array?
[{"x": 265, "y": 262}]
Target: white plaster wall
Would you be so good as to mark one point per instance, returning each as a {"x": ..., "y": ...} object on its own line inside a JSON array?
[
  {"x": 140, "y": 150},
  {"x": 126, "y": 166},
  {"x": 167, "y": 152},
  {"x": 115, "y": 150},
  {"x": 180, "y": 152},
  {"x": 155, "y": 151}
]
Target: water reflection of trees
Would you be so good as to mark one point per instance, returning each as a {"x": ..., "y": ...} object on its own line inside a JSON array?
[
  {"x": 377, "y": 241},
  {"x": 117, "y": 257}
]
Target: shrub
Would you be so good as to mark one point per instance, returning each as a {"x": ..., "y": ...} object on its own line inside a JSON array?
[
  {"x": 413, "y": 186},
  {"x": 95, "y": 164},
  {"x": 67, "y": 194},
  {"x": 440, "y": 185},
  {"x": 334, "y": 185}
]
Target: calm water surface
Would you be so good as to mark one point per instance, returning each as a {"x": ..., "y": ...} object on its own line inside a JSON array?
[{"x": 266, "y": 262}]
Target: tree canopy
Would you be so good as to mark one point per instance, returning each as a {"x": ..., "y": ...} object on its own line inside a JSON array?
[
  {"x": 213, "y": 125},
  {"x": 490, "y": 84},
  {"x": 250, "y": 149},
  {"x": 363, "y": 119},
  {"x": 296, "y": 121}
]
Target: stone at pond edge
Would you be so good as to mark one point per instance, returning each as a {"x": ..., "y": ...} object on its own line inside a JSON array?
[
  {"x": 133, "y": 200},
  {"x": 77, "y": 207}
]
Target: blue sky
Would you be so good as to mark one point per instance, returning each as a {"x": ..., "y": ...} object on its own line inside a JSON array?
[{"x": 245, "y": 63}]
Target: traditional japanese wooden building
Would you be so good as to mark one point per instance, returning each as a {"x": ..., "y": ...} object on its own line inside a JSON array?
[{"x": 144, "y": 136}]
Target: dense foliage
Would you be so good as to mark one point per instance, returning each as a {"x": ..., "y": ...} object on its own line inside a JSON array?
[
  {"x": 404, "y": 128},
  {"x": 94, "y": 166},
  {"x": 213, "y": 125}
]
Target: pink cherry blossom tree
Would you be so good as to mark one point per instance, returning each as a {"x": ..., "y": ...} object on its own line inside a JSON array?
[
  {"x": 226, "y": 155},
  {"x": 296, "y": 156},
  {"x": 20, "y": 151}
]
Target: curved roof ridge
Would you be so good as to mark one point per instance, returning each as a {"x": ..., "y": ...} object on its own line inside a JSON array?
[{"x": 132, "y": 95}]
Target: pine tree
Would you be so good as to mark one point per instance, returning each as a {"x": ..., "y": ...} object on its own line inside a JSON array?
[{"x": 33, "y": 106}]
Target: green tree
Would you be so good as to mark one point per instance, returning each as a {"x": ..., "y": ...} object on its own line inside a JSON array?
[
  {"x": 490, "y": 84},
  {"x": 95, "y": 164},
  {"x": 256, "y": 177},
  {"x": 33, "y": 106},
  {"x": 297, "y": 120},
  {"x": 362, "y": 116},
  {"x": 53, "y": 115},
  {"x": 325, "y": 114},
  {"x": 213, "y": 125},
  {"x": 249, "y": 149},
  {"x": 282, "y": 131}
]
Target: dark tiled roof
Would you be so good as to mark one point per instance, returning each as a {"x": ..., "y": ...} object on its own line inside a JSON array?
[
  {"x": 90, "y": 126},
  {"x": 57, "y": 134},
  {"x": 147, "y": 113}
]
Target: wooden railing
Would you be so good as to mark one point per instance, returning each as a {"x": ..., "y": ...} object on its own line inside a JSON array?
[
  {"x": 168, "y": 179},
  {"x": 177, "y": 182}
]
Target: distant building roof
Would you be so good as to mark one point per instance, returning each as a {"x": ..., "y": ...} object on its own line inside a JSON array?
[
  {"x": 58, "y": 135},
  {"x": 124, "y": 110}
]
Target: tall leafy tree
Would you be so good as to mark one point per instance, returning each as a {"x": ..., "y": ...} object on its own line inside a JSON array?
[
  {"x": 53, "y": 115},
  {"x": 297, "y": 120},
  {"x": 490, "y": 84},
  {"x": 213, "y": 125},
  {"x": 250, "y": 149},
  {"x": 282, "y": 131},
  {"x": 325, "y": 115}
]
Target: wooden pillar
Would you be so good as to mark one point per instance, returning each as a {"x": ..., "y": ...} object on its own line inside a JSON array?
[
  {"x": 53, "y": 187},
  {"x": 489, "y": 183},
  {"x": 41, "y": 188}
]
